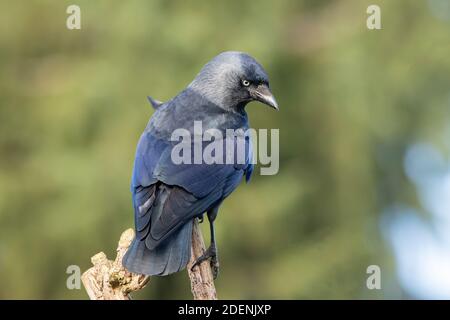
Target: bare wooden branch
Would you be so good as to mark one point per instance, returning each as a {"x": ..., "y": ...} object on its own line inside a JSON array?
[
  {"x": 202, "y": 282},
  {"x": 109, "y": 280}
]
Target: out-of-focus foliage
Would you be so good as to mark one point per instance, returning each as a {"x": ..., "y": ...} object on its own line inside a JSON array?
[{"x": 73, "y": 104}]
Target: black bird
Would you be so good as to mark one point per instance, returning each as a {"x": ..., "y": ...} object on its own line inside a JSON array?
[{"x": 168, "y": 196}]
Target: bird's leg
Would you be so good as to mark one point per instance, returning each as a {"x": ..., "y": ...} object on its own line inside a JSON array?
[
  {"x": 211, "y": 252},
  {"x": 213, "y": 248}
]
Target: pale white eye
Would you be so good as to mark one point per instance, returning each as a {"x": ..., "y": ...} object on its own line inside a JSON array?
[{"x": 245, "y": 83}]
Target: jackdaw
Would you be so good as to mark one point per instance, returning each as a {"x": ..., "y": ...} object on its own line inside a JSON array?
[{"x": 168, "y": 196}]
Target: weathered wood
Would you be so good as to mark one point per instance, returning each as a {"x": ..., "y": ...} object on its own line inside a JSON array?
[
  {"x": 109, "y": 280},
  {"x": 202, "y": 282}
]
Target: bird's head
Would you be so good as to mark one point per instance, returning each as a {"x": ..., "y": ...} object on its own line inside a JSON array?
[{"x": 233, "y": 79}]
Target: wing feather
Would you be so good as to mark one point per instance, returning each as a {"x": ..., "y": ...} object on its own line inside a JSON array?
[{"x": 166, "y": 195}]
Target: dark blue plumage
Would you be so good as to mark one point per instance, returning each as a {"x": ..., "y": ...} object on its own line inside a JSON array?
[{"x": 168, "y": 196}]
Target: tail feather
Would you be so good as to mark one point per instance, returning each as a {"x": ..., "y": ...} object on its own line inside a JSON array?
[{"x": 172, "y": 255}]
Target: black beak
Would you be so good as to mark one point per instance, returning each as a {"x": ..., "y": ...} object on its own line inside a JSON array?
[{"x": 263, "y": 94}]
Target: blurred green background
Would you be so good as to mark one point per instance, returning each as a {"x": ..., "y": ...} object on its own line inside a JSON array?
[{"x": 73, "y": 105}]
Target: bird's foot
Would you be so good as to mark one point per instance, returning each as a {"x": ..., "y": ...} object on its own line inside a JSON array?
[{"x": 211, "y": 252}]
